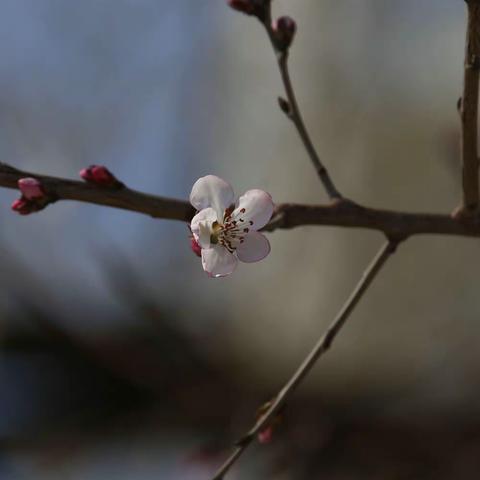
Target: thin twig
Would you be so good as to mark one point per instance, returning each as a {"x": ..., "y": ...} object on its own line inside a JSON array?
[
  {"x": 296, "y": 117},
  {"x": 295, "y": 114},
  {"x": 469, "y": 111},
  {"x": 318, "y": 350},
  {"x": 346, "y": 214}
]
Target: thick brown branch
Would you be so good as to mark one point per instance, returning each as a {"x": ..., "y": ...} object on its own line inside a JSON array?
[
  {"x": 124, "y": 198},
  {"x": 469, "y": 110},
  {"x": 341, "y": 213},
  {"x": 393, "y": 224},
  {"x": 318, "y": 350}
]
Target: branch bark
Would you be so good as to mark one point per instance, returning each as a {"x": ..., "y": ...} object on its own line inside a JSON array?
[
  {"x": 340, "y": 213},
  {"x": 124, "y": 198},
  {"x": 469, "y": 111},
  {"x": 323, "y": 344}
]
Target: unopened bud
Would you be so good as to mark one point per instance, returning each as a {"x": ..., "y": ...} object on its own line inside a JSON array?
[
  {"x": 284, "y": 105},
  {"x": 265, "y": 436},
  {"x": 23, "y": 206},
  {"x": 99, "y": 175},
  {"x": 196, "y": 248},
  {"x": 284, "y": 29},
  {"x": 31, "y": 188},
  {"x": 250, "y": 7}
]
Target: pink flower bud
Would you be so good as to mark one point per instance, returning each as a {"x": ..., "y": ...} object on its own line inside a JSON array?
[
  {"x": 31, "y": 188},
  {"x": 23, "y": 206},
  {"x": 250, "y": 7},
  {"x": 265, "y": 436},
  {"x": 284, "y": 29},
  {"x": 196, "y": 248},
  {"x": 99, "y": 175},
  {"x": 86, "y": 174}
]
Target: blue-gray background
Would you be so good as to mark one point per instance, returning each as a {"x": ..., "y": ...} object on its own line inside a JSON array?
[{"x": 163, "y": 92}]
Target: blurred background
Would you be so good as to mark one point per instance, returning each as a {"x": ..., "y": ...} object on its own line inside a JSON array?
[{"x": 119, "y": 357}]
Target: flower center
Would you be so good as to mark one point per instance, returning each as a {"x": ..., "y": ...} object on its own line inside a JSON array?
[{"x": 232, "y": 232}]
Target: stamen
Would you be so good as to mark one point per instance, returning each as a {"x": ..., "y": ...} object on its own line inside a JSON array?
[{"x": 231, "y": 234}]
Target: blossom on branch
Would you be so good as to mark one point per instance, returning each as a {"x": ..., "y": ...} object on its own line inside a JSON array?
[{"x": 226, "y": 231}]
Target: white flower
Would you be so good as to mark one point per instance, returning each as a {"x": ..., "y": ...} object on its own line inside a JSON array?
[{"x": 227, "y": 231}]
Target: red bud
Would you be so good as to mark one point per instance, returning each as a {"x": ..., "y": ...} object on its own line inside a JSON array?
[
  {"x": 23, "y": 206},
  {"x": 265, "y": 436},
  {"x": 284, "y": 29},
  {"x": 99, "y": 175},
  {"x": 256, "y": 8},
  {"x": 196, "y": 248}
]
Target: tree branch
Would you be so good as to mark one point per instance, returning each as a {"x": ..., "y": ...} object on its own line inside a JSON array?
[
  {"x": 393, "y": 224},
  {"x": 124, "y": 198},
  {"x": 342, "y": 213},
  {"x": 469, "y": 111},
  {"x": 294, "y": 113},
  {"x": 296, "y": 117},
  {"x": 318, "y": 350}
]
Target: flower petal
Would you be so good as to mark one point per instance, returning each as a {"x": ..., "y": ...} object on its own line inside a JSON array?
[
  {"x": 218, "y": 261},
  {"x": 254, "y": 248},
  {"x": 201, "y": 226},
  {"x": 212, "y": 191},
  {"x": 255, "y": 207}
]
